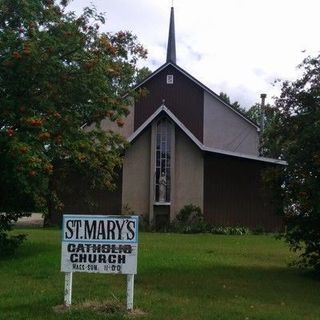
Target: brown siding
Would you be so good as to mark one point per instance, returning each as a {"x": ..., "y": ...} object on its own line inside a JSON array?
[
  {"x": 184, "y": 98},
  {"x": 234, "y": 194}
]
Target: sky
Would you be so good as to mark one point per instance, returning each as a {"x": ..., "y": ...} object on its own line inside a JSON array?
[{"x": 239, "y": 47}]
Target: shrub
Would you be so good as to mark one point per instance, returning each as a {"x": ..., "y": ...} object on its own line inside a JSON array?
[
  {"x": 229, "y": 230},
  {"x": 8, "y": 244},
  {"x": 189, "y": 220},
  {"x": 190, "y": 214}
]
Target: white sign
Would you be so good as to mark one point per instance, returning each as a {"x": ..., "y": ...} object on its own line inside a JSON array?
[{"x": 100, "y": 244}]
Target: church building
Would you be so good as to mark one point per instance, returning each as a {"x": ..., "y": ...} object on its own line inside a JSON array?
[{"x": 188, "y": 146}]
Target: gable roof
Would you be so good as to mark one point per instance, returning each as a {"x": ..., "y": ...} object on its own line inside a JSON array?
[
  {"x": 164, "y": 109},
  {"x": 205, "y": 88}
]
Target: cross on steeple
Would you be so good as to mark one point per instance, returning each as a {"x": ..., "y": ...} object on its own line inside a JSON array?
[{"x": 171, "y": 48}]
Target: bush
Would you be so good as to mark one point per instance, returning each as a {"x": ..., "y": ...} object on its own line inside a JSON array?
[
  {"x": 8, "y": 244},
  {"x": 229, "y": 230},
  {"x": 189, "y": 220},
  {"x": 190, "y": 214}
]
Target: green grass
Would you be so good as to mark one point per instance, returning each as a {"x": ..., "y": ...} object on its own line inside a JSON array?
[{"x": 179, "y": 277}]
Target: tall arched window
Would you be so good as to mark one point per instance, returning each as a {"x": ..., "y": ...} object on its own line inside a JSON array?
[{"x": 163, "y": 160}]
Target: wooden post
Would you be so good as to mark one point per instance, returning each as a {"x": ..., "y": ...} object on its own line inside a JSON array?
[
  {"x": 67, "y": 289},
  {"x": 130, "y": 289}
]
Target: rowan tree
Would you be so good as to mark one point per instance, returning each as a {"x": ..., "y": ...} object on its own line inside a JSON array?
[
  {"x": 58, "y": 72},
  {"x": 295, "y": 136}
]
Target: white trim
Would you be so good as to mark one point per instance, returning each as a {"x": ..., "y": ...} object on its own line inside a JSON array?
[
  {"x": 162, "y": 203},
  {"x": 199, "y": 84},
  {"x": 145, "y": 124},
  {"x": 152, "y": 75},
  {"x": 182, "y": 127},
  {"x": 163, "y": 108},
  {"x": 245, "y": 156}
]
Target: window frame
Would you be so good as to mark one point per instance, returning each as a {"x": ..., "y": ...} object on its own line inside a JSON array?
[{"x": 163, "y": 149}]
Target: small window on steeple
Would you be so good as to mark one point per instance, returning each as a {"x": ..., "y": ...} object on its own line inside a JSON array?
[{"x": 169, "y": 78}]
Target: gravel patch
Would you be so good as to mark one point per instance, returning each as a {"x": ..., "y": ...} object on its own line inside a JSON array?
[{"x": 36, "y": 219}]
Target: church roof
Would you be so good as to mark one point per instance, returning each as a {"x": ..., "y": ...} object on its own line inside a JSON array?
[
  {"x": 201, "y": 146},
  {"x": 171, "y": 60},
  {"x": 205, "y": 88}
]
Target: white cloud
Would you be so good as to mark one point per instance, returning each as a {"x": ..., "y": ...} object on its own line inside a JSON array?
[{"x": 236, "y": 46}]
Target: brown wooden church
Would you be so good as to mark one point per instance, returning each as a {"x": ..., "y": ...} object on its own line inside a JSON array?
[{"x": 187, "y": 146}]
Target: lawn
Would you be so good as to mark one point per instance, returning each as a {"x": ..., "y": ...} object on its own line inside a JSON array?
[{"x": 179, "y": 277}]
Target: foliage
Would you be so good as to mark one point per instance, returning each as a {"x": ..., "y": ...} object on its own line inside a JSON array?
[
  {"x": 189, "y": 214},
  {"x": 229, "y": 230},
  {"x": 254, "y": 114},
  {"x": 142, "y": 74},
  {"x": 295, "y": 136},
  {"x": 236, "y": 105},
  {"x": 8, "y": 244},
  {"x": 270, "y": 117},
  {"x": 189, "y": 220},
  {"x": 58, "y": 72}
]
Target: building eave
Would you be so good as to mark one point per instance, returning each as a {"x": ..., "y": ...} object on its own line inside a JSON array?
[
  {"x": 205, "y": 88},
  {"x": 164, "y": 109},
  {"x": 152, "y": 75},
  {"x": 244, "y": 156}
]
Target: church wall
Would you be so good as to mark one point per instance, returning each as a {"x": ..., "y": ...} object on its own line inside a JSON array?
[
  {"x": 184, "y": 98},
  {"x": 226, "y": 130},
  {"x": 136, "y": 175},
  {"x": 188, "y": 188},
  {"x": 234, "y": 194}
]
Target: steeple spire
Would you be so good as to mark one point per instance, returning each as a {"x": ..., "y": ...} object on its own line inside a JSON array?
[{"x": 171, "y": 48}]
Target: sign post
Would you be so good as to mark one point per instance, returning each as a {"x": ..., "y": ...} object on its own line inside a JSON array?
[
  {"x": 67, "y": 288},
  {"x": 99, "y": 244},
  {"x": 130, "y": 289}
]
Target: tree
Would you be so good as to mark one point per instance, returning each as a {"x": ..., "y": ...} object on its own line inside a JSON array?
[
  {"x": 143, "y": 73},
  {"x": 234, "y": 104},
  {"x": 295, "y": 137},
  {"x": 254, "y": 113},
  {"x": 270, "y": 117},
  {"x": 58, "y": 72}
]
